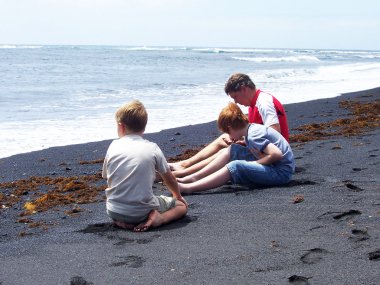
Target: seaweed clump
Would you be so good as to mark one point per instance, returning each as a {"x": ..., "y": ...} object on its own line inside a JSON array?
[
  {"x": 52, "y": 192},
  {"x": 362, "y": 118},
  {"x": 186, "y": 154},
  {"x": 96, "y": 161}
]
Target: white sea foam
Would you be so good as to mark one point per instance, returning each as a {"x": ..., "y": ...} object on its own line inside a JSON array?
[
  {"x": 370, "y": 56},
  {"x": 240, "y": 50},
  {"x": 19, "y": 47},
  {"x": 299, "y": 85},
  {"x": 178, "y": 110},
  {"x": 278, "y": 59},
  {"x": 347, "y": 52},
  {"x": 145, "y": 48},
  {"x": 8, "y": 46}
]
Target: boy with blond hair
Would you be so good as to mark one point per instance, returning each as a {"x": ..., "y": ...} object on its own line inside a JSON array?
[
  {"x": 130, "y": 168},
  {"x": 267, "y": 158}
]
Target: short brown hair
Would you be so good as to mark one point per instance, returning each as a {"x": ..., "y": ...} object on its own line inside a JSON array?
[
  {"x": 133, "y": 116},
  {"x": 237, "y": 80},
  {"x": 231, "y": 116}
]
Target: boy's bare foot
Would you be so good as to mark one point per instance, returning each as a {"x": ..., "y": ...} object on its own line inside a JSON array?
[
  {"x": 176, "y": 166},
  {"x": 124, "y": 225},
  {"x": 187, "y": 179},
  {"x": 184, "y": 189},
  {"x": 154, "y": 220}
]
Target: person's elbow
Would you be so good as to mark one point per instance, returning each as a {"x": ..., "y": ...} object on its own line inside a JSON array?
[{"x": 276, "y": 155}]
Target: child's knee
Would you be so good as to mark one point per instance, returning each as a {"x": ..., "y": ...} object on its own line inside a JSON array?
[
  {"x": 181, "y": 207},
  {"x": 223, "y": 140},
  {"x": 225, "y": 152}
]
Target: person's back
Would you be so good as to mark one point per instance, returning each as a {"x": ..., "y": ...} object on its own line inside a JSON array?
[
  {"x": 132, "y": 162},
  {"x": 266, "y": 110},
  {"x": 130, "y": 168}
]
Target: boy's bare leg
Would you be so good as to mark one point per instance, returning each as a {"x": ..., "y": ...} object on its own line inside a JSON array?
[
  {"x": 194, "y": 168},
  {"x": 155, "y": 219},
  {"x": 211, "y": 149},
  {"x": 222, "y": 158},
  {"x": 216, "y": 179}
]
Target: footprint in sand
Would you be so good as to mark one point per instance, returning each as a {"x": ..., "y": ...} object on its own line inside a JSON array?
[
  {"x": 374, "y": 255},
  {"x": 313, "y": 255},
  {"x": 359, "y": 235},
  {"x": 347, "y": 214},
  {"x": 77, "y": 280},
  {"x": 352, "y": 187},
  {"x": 299, "y": 280},
  {"x": 300, "y": 182},
  {"x": 131, "y": 261},
  {"x": 356, "y": 169},
  {"x": 340, "y": 215}
]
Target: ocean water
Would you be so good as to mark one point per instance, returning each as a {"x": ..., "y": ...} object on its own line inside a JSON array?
[{"x": 60, "y": 95}]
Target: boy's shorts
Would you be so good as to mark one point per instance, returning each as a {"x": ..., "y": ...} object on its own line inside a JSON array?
[
  {"x": 165, "y": 204},
  {"x": 239, "y": 152},
  {"x": 244, "y": 170}
]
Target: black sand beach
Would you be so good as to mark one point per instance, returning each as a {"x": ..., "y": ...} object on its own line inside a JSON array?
[{"x": 322, "y": 228}]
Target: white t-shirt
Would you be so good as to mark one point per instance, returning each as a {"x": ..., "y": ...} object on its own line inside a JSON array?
[
  {"x": 129, "y": 167},
  {"x": 267, "y": 109}
]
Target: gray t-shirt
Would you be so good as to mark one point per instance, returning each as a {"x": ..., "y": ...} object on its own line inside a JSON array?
[
  {"x": 259, "y": 136},
  {"x": 130, "y": 168}
]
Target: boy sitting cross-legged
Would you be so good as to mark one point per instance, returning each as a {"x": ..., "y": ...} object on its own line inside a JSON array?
[{"x": 130, "y": 167}]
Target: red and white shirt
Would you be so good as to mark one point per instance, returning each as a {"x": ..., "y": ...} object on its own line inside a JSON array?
[{"x": 266, "y": 110}]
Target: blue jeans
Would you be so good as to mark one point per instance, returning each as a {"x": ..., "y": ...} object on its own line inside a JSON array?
[{"x": 246, "y": 171}]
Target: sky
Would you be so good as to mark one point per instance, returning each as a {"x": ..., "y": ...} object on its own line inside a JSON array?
[{"x": 322, "y": 24}]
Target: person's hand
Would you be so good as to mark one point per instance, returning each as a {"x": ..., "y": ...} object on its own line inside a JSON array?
[
  {"x": 241, "y": 142},
  {"x": 256, "y": 152},
  {"x": 228, "y": 141}
]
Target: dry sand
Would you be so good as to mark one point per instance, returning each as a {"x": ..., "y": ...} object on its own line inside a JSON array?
[{"x": 322, "y": 228}]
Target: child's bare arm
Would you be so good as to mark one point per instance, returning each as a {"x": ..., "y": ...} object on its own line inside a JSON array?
[
  {"x": 172, "y": 184},
  {"x": 271, "y": 154}
]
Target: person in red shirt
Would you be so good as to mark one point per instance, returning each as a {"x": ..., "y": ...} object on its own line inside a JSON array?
[{"x": 264, "y": 109}]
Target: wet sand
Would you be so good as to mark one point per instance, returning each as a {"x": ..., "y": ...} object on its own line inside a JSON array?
[{"x": 322, "y": 228}]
